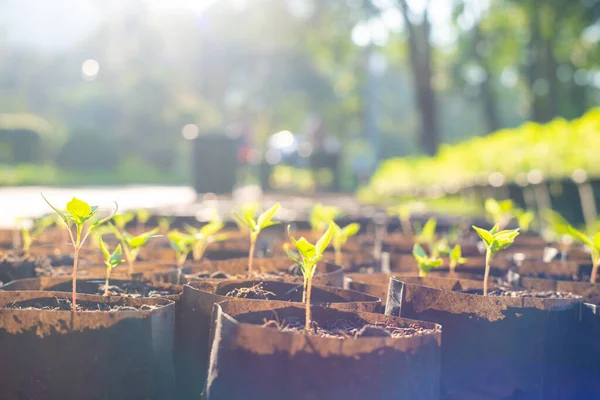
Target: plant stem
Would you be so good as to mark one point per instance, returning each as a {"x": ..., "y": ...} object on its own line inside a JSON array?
[
  {"x": 129, "y": 261},
  {"x": 595, "y": 266},
  {"x": 251, "y": 255},
  {"x": 338, "y": 255},
  {"x": 304, "y": 291},
  {"x": 422, "y": 274},
  {"x": 308, "y": 290},
  {"x": 106, "y": 283},
  {"x": 488, "y": 259},
  {"x": 77, "y": 246}
]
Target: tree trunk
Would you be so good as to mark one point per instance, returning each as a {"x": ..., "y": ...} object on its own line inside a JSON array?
[{"x": 486, "y": 91}]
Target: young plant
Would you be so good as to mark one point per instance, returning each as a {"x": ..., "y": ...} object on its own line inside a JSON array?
[
  {"x": 321, "y": 216},
  {"x": 164, "y": 224},
  {"x": 524, "y": 219},
  {"x": 403, "y": 212},
  {"x": 594, "y": 245},
  {"x": 501, "y": 212},
  {"x": 425, "y": 262},
  {"x": 111, "y": 260},
  {"x": 142, "y": 216},
  {"x": 132, "y": 245},
  {"x": 310, "y": 254},
  {"x": 250, "y": 208},
  {"x": 427, "y": 234},
  {"x": 78, "y": 214},
  {"x": 204, "y": 236},
  {"x": 456, "y": 258},
  {"x": 340, "y": 237},
  {"x": 182, "y": 244},
  {"x": 121, "y": 220},
  {"x": 32, "y": 231},
  {"x": 263, "y": 221},
  {"x": 494, "y": 241}
]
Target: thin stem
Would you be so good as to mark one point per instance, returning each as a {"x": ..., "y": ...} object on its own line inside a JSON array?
[
  {"x": 595, "y": 266},
  {"x": 338, "y": 255},
  {"x": 422, "y": 273},
  {"x": 452, "y": 266},
  {"x": 251, "y": 254},
  {"x": 304, "y": 291},
  {"x": 488, "y": 259},
  {"x": 308, "y": 291},
  {"x": 108, "y": 270},
  {"x": 129, "y": 258},
  {"x": 77, "y": 246}
]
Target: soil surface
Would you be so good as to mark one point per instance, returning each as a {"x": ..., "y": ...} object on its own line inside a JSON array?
[
  {"x": 347, "y": 329},
  {"x": 255, "y": 292},
  {"x": 136, "y": 289},
  {"x": 57, "y": 304},
  {"x": 540, "y": 294}
]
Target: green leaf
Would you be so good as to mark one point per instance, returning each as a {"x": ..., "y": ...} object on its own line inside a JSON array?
[
  {"x": 305, "y": 248},
  {"x": 419, "y": 253},
  {"x": 428, "y": 232},
  {"x": 108, "y": 218},
  {"x": 456, "y": 252},
  {"x": 350, "y": 229},
  {"x": 56, "y": 210},
  {"x": 116, "y": 257},
  {"x": 211, "y": 228},
  {"x": 103, "y": 248},
  {"x": 487, "y": 237},
  {"x": 492, "y": 207},
  {"x": 143, "y": 215},
  {"x": 293, "y": 257},
  {"x": 324, "y": 241},
  {"x": 504, "y": 239},
  {"x": 80, "y": 210},
  {"x": 596, "y": 240},
  {"x": 580, "y": 236},
  {"x": 265, "y": 218}
]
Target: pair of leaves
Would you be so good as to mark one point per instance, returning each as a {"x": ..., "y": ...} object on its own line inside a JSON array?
[
  {"x": 142, "y": 215},
  {"x": 310, "y": 253},
  {"x": 181, "y": 242},
  {"x": 496, "y": 241},
  {"x": 427, "y": 234},
  {"x": 456, "y": 257},
  {"x": 524, "y": 218},
  {"x": 79, "y": 212},
  {"x": 341, "y": 235},
  {"x": 121, "y": 220},
  {"x": 425, "y": 262},
  {"x": 131, "y": 241},
  {"x": 321, "y": 216},
  {"x": 113, "y": 259},
  {"x": 206, "y": 231},
  {"x": 264, "y": 220}
]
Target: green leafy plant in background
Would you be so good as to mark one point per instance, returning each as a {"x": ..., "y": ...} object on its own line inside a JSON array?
[
  {"x": 164, "y": 224},
  {"x": 524, "y": 219},
  {"x": 310, "y": 254},
  {"x": 182, "y": 244},
  {"x": 202, "y": 237},
  {"x": 340, "y": 238},
  {"x": 494, "y": 241},
  {"x": 403, "y": 212},
  {"x": 427, "y": 234},
  {"x": 440, "y": 247},
  {"x": 425, "y": 262},
  {"x": 31, "y": 230},
  {"x": 593, "y": 243},
  {"x": 111, "y": 260},
  {"x": 77, "y": 214},
  {"x": 321, "y": 217},
  {"x": 121, "y": 220},
  {"x": 500, "y": 212},
  {"x": 456, "y": 258},
  {"x": 142, "y": 216},
  {"x": 263, "y": 221},
  {"x": 132, "y": 245}
]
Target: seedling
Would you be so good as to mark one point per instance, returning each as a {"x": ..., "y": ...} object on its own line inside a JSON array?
[
  {"x": 182, "y": 244},
  {"x": 78, "y": 214},
  {"x": 340, "y": 237},
  {"x": 263, "y": 221},
  {"x": 427, "y": 234},
  {"x": 494, "y": 242},
  {"x": 594, "y": 245},
  {"x": 501, "y": 212},
  {"x": 321, "y": 216},
  {"x": 456, "y": 258},
  {"x": 111, "y": 260},
  {"x": 239, "y": 217},
  {"x": 204, "y": 236},
  {"x": 524, "y": 218},
  {"x": 121, "y": 220},
  {"x": 142, "y": 216},
  {"x": 403, "y": 212},
  {"x": 34, "y": 230},
  {"x": 309, "y": 257},
  {"x": 132, "y": 245},
  {"x": 164, "y": 224},
  {"x": 425, "y": 262}
]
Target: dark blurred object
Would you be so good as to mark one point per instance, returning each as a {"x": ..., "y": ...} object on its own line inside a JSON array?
[
  {"x": 21, "y": 138},
  {"x": 89, "y": 151},
  {"x": 323, "y": 159},
  {"x": 214, "y": 163}
]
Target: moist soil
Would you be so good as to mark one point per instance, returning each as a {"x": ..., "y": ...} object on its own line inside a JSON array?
[
  {"x": 256, "y": 292},
  {"x": 294, "y": 270},
  {"x": 56, "y": 304},
  {"x": 526, "y": 293},
  {"x": 347, "y": 329},
  {"x": 15, "y": 264}
]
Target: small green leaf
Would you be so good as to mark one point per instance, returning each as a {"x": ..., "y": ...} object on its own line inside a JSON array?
[
  {"x": 428, "y": 232},
  {"x": 350, "y": 229},
  {"x": 487, "y": 237},
  {"x": 56, "y": 210},
  {"x": 418, "y": 252},
  {"x": 143, "y": 215},
  {"x": 80, "y": 210},
  {"x": 456, "y": 252},
  {"x": 104, "y": 220},
  {"x": 116, "y": 257},
  {"x": 306, "y": 249},
  {"x": 265, "y": 218},
  {"x": 596, "y": 240},
  {"x": 103, "y": 248},
  {"x": 580, "y": 236},
  {"x": 212, "y": 228},
  {"x": 324, "y": 241}
]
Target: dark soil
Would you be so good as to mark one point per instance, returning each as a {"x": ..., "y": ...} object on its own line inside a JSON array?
[
  {"x": 255, "y": 292},
  {"x": 15, "y": 264},
  {"x": 347, "y": 329},
  {"x": 545, "y": 294},
  {"x": 134, "y": 289},
  {"x": 65, "y": 305}
]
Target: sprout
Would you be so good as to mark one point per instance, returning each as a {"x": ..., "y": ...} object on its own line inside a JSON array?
[
  {"x": 132, "y": 244},
  {"x": 425, "y": 262},
  {"x": 142, "y": 216},
  {"x": 403, "y": 212},
  {"x": 31, "y": 233},
  {"x": 501, "y": 212},
  {"x": 340, "y": 237},
  {"x": 121, "y": 220},
  {"x": 427, "y": 235},
  {"x": 78, "y": 213},
  {"x": 456, "y": 258},
  {"x": 182, "y": 244},
  {"x": 164, "y": 224},
  {"x": 524, "y": 219},
  {"x": 594, "y": 244},
  {"x": 309, "y": 256},
  {"x": 204, "y": 236},
  {"x": 494, "y": 242},
  {"x": 110, "y": 260},
  {"x": 240, "y": 219},
  {"x": 263, "y": 221},
  {"x": 321, "y": 216}
]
